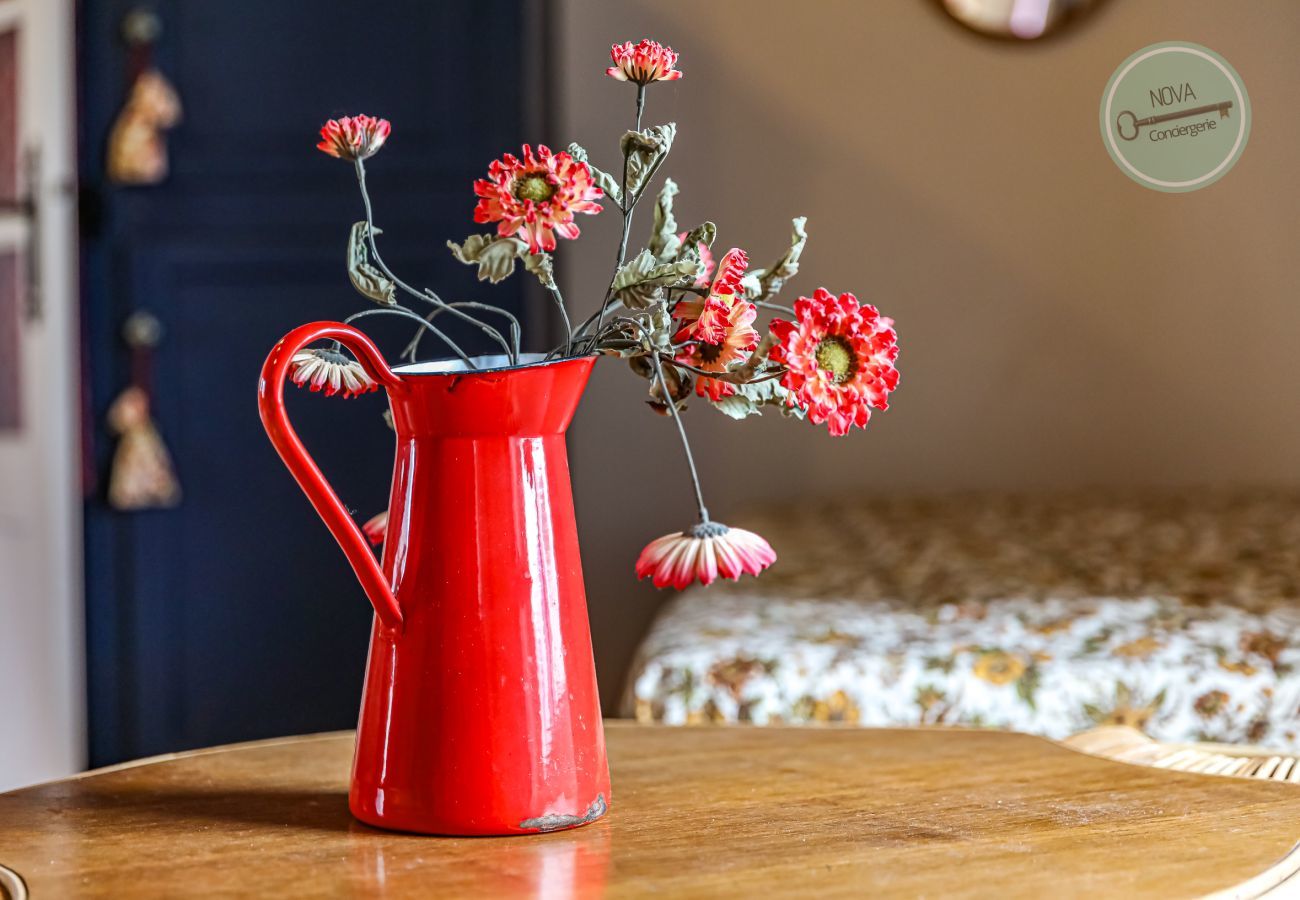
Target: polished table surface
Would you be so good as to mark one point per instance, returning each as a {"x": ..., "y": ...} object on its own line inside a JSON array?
[{"x": 712, "y": 811}]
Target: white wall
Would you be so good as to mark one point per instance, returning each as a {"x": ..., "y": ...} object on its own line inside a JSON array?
[
  {"x": 42, "y": 718},
  {"x": 1059, "y": 324}
]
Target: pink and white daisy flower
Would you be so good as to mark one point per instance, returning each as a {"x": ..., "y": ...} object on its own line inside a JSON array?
[
  {"x": 703, "y": 553},
  {"x": 354, "y": 137},
  {"x": 331, "y": 372},
  {"x": 537, "y": 196},
  {"x": 643, "y": 63},
  {"x": 376, "y": 528}
]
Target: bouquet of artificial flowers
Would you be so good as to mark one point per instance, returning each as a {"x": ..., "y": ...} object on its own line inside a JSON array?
[{"x": 685, "y": 320}]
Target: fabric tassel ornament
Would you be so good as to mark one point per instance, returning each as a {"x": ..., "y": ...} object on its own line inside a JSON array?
[
  {"x": 137, "y": 150},
  {"x": 142, "y": 475}
]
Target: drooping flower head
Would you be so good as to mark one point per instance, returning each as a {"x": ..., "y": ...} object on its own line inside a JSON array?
[
  {"x": 840, "y": 356},
  {"x": 718, "y": 330},
  {"x": 536, "y": 196},
  {"x": 353, "y": 137},
  {"x": 643, "y": 63},
  {"x": 703, "y": 553},
  {"x": 331, "y": 372}
]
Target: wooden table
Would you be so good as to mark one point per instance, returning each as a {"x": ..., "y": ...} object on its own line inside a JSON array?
[{"x": 767, "y": 812}]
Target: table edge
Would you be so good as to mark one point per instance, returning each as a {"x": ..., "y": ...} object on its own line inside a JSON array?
[{"x": 628, "y": 724}]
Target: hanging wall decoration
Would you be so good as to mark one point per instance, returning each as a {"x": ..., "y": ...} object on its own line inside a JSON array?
[
  {"x": 142, "y": 475},
  {"x": 137, "y": 147}
]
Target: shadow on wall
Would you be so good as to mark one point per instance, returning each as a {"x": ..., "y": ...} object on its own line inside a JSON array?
[{"x": 1059, "y": 324}]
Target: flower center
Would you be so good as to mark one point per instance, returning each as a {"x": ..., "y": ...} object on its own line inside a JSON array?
[
  {"x": 707, "y": 530},
  {"x": 333, "y": 357},
  {"x": 709, "y": 353},
  {"x": 535, "y": 187},
  {"x": 835, "y": 357}
]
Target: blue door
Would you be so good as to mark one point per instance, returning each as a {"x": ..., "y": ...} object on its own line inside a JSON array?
[{"x": 234, "y": 616}]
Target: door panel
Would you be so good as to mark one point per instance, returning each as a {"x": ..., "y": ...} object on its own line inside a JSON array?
[{"x": 235, "y": 616}]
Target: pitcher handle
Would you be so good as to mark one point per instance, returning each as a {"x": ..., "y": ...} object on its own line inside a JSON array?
[{"x": 270, "y": 403}]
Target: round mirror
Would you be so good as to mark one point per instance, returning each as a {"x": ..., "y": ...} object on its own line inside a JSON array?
[{"x": 1020, "y": 20}]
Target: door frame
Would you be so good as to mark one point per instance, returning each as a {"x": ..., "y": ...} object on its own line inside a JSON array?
[{"x": 42, "y": 655}]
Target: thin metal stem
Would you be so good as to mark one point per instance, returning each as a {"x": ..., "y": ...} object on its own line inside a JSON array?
[
  {"x": 729, "y": 377},
  {"x": 587, "y": 323},
  {"x": 403, "y": 311},
  {"x": 628, "y": 206},
  {"x": 681, "y": 432},
  {"x": 564, "y": 314},
  {"x": 763, "y": 304},
  {"x": 515, "y": 328},
  {"x": 427, "y": 297}
]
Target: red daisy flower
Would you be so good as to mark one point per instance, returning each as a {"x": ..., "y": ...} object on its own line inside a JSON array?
[
  {"x": 705, "y": 319},
  {"x": 737, "y": 339},
  {"x": 643, "y": 63},
  {"x": 536, "y": 196},
  {"x": 840, "y": 356},
  {"x": 353, "y": 137}
]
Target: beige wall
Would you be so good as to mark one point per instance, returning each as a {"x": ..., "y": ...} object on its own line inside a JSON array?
[{"x": 1060, "y": 325}]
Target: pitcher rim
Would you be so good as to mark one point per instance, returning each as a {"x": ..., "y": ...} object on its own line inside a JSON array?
[{"x": 539, "y": 362}]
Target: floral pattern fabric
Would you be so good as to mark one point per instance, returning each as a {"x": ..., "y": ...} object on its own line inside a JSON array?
[
  {"x": 1053, "y": 667},
  {"x": 1206, "y": 648}
]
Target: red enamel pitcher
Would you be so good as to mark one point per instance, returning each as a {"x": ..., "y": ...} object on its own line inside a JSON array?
[{"x": 480, "y": 713}]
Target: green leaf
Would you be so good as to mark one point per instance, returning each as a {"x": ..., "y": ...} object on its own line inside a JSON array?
[
  {"x": 641, "y": 282},
  {"x": 689, "y": 247},
  {"x": 763, "y": 284},
  {"x": 644, "y": 152},
  {"x": 605, "y": 181},
  {"x": 737, "y": 406},
  {"x": 368, "y": 280},
  {"x": 660, "y": 326},
  {"x": 679, "y": 383},
  {"x": 663, "y": 236},
  {"x": 749, "y": 399},
  {"x": 495, "y": 257},
  {"x": 540, "y": 265},
  {"x": 701, "y": 234}
]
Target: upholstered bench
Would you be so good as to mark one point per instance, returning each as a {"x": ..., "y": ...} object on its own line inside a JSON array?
[{"x": 1177, "y": 614}]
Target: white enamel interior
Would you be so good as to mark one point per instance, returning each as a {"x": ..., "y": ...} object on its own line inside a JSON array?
[{"x": 482, "y": 363}]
